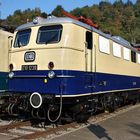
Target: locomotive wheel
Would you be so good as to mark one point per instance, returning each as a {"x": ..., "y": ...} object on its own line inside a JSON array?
[
  {"x": 117, "y": 102},
  {"x": 134, "y": 101},
  {"x": 80, "y": 113},
  {"x": 82, "y": 117},
  {"x": 108, "y": 103}
]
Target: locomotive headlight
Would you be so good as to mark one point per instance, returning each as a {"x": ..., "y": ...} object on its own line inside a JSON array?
[
  {"x": 51, "y": 74},
  {"x": 11, "y": 75}
]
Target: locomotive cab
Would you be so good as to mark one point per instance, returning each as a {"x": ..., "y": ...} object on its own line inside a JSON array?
[{"x": 38, "y": 46}]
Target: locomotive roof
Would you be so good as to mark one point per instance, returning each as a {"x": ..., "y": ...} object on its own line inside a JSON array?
[
  {"x": 3, "y": 32},
  {"x": 60, "y": 20}
]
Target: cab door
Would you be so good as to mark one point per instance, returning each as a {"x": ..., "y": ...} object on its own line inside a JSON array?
[
  {"x": 89, "y": 76},
  {"x": 88, "y": 51}
]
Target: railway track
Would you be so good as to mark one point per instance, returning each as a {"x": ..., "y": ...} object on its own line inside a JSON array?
[
  {"x": 14, "y": 125},
  {"x": 24, "y": 131}
]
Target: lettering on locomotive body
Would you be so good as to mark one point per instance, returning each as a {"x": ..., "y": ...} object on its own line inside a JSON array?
[{"x": 29, "y": 56}]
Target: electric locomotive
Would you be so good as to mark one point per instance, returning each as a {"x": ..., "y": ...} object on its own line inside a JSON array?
[
  {"x": 68, "y": 68},
  {"x": 5, "y": 43}
]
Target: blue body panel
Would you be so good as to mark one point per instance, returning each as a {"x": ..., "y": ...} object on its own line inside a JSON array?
[
  {"x": 3, "y": 81},
  {"x": 70, "y": 82}
]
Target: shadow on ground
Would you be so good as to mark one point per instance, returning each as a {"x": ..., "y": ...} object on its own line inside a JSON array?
[{"x": 99, "y": 131}]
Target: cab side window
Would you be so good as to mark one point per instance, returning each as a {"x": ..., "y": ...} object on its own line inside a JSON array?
[
  {"x": 133, "y": 56},
  {"x": 89, "y": 40}
]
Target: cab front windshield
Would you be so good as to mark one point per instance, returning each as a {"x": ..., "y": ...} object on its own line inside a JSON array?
[
  {"x": 49, "y": 34},
  {"x": 22, "y": 38},
  {"x": 46, "y": 34}
]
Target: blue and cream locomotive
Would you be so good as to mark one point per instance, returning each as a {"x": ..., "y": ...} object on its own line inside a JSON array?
[
  {"x": 5, "y": 43},
  {"x": 64, "y": 67}
]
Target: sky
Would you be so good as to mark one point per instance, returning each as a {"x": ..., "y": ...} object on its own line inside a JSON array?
[{"x": 8, "y": 7}]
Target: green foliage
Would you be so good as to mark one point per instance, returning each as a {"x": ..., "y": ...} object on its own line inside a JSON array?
[
  {"x": 20, "y": 17},
  {"x": 58, "y": 11},
  {"x": 121, "y": 19}
]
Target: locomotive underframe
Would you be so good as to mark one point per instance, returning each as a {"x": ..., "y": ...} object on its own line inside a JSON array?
[{"x": 73, "y": 108}]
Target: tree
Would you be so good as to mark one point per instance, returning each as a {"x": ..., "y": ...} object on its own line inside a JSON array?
[
  {"x": 129, "y": 22},
  {"x": 44, "y": 15},
  {"x": 121, "y": 19},
  {"x": 58, "y": 11},
  {"x": 129, "y": 3},
  {"x": 20, "y": 17}
]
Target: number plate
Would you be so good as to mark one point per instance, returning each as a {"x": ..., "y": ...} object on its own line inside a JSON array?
[{"x": 29, "y": 67}]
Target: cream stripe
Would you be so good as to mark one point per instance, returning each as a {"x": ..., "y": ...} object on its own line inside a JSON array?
[{"x": 98, "y": 92}]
